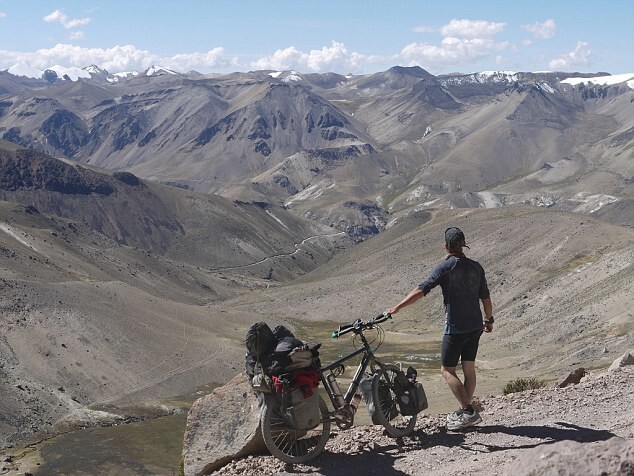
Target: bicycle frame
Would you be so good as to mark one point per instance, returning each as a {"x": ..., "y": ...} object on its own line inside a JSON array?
[
  {"x": 367, "y": 359},
  {"x": 298, "y": 446}
]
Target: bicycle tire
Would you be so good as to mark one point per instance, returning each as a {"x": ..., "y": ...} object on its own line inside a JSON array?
[
  {"x": 386, "y": 408},
  {"x": 293, "y": 446}
]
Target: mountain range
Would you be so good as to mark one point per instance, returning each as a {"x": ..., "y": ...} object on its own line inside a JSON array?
[
  {"x": 345, "y": 150},
  {"x": 146, "y": 223}
]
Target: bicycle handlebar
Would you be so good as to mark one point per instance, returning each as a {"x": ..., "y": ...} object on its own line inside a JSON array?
[{"x": 359, "y": 326}]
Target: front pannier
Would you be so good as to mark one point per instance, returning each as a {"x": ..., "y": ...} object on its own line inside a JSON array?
[{"x": 410, "y": 394}]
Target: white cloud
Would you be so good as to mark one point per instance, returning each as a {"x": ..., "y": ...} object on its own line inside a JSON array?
[
  {"x": 58, "y": 16},
  {"x": 77, "y": 35},
  {"x": 424, "y": 29},
  {"x": 578, "y": 58},
  {"x": 542, "y": 30},
  {"x": 333, "y": 58},
  {"x": 472, "y": 28},
  {"x": 202, "y": 62},
  {"x": 116, "y": 59},
  {"x": 3, "y": 15},
  {"x": 451, "y": 52}
]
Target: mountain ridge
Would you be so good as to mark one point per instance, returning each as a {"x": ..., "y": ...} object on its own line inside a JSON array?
[{"x": 402, "y": 130}]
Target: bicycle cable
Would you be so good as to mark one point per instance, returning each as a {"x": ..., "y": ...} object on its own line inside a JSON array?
[{"x": 379, "y": 335}]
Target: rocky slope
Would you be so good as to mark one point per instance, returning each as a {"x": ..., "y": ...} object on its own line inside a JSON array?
[
  {"x": 104, "y": 284},
  {"x": 580, "y": 429}
]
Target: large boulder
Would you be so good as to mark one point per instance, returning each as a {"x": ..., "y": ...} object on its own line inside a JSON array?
[
  {"x": 221, "y": 426},
  {"x": 573, "y": 378},
  {"x": 625, "y": 359},
  {"x": 571, "y": 458}
]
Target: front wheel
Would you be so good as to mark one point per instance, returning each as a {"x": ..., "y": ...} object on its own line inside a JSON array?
[
  {"x": 386, "y": 408},
  {"x": 293, "y": 446}
]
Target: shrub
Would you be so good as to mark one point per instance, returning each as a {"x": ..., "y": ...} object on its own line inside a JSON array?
[{"x": 521, "y": 384}]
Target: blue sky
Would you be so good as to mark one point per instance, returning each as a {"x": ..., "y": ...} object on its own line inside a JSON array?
[{"x": 342, "y": 36}]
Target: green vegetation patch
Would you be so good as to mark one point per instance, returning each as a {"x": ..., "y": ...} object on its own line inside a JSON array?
[{"x": 521, "y": 384}]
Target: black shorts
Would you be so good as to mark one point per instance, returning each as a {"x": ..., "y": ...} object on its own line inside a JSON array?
[{"x": 462, "y": 347}]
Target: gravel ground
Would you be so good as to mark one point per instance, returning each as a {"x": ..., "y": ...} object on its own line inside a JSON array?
[{"x": 600, "y": 407}]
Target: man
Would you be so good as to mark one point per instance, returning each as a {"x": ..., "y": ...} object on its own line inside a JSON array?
[{"x": 464, "y": 286}]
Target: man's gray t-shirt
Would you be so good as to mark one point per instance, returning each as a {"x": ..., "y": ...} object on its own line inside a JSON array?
[{"x": 463, "y": 285}]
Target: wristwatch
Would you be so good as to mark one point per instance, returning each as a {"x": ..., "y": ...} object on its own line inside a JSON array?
[{"x": 489, "y": 321}]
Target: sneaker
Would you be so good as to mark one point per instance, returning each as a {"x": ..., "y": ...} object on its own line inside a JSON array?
[
  {"x": 453, "y": 415},
  {"x": 462, "y": 419}
]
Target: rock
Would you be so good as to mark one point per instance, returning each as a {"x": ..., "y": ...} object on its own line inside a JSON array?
[
  {"x": 222, "y": 426},
  {"x": 625, "y": 359},
  {"x": 570, "y": 458},
  {"x": 573, "y": 378}
]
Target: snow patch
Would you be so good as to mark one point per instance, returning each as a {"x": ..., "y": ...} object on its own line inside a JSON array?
[
  {"x": 158, "y": 70},
  {"x": 309, "y": 193},
  {"x": 497, "y": 76},
  {"x": 592, "y": 203},
  {"x": 483, "y": 77},
  {"x": 114, "y": 78},
  {"x": 293, "y": 76},
  {"x": 290, "y": 76},
  {"x": 627, "y": 78},
  {"x": 546, "y": 87}
]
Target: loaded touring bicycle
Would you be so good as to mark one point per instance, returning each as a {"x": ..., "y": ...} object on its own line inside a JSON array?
[{"x": 296, "y": 419}]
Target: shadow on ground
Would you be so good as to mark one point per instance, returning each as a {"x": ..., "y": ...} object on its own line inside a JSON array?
[{"x": 542, "y": 434}]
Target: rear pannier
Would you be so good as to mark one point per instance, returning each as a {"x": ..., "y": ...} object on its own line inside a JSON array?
[{"x": 288, "y": 368}]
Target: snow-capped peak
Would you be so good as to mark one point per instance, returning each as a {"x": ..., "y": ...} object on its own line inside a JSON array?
[
  {"x": 158, "y": 70},
  {"x": 71, "y": 73},
  {"x": 94, "y": 69},
  {"x": 62, "y": 72},
  {"x": 497, "y": 76},
  {"x": 286, "y": 76},
  {"x": 25, "y": 70}
]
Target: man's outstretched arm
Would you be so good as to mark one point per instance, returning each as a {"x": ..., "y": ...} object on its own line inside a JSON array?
[{"x": 413, "y": 296}]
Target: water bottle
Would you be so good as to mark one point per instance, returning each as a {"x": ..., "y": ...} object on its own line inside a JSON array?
[{"x": 336, "y": 391}]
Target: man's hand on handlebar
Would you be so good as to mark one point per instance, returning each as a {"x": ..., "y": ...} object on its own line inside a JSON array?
[{"x": 358, "y": 325}]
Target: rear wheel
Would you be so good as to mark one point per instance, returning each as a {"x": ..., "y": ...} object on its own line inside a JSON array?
[
  {"x": 288, "y": 445},
  {"x": 387, "y": 412}
]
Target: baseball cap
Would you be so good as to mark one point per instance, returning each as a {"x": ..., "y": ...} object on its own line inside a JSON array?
[{"x": 454, "y": 237}]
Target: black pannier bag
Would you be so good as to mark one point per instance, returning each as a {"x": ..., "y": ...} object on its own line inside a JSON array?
[
  {"x": 260, "y": 340},
  {"x": 298, "y": 399},
  {"x": 410, "y": 394}
]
